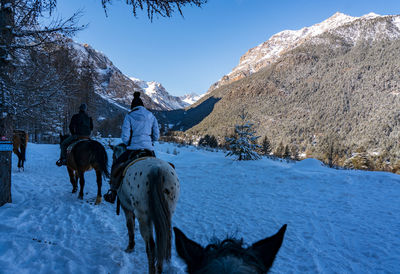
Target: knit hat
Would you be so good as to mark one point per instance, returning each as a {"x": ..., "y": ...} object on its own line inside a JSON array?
[
  {"x": 83, "y": 107},
  {"x": 136, "y": 100}
]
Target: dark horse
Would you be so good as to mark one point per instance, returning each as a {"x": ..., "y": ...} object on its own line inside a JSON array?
[
  {"x": 85, "y": 155},
  {"x": 20, "y": 141},
  {"x": 228, "y": 256}
]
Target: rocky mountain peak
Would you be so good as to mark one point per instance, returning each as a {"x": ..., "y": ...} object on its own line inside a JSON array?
[{"x": 160, "y": 95}]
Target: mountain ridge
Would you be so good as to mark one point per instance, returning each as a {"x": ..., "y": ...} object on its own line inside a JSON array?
[
  {"x": 269, "y": 51},
  {"x": 340, "y": 87}
]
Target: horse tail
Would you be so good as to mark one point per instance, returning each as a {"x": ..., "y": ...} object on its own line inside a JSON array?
[
  {"x": 101, "y": 157},
  {"x": 160, "y": 214}
]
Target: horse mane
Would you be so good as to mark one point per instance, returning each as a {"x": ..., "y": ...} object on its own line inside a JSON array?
[{"x": 232, "y": 247}]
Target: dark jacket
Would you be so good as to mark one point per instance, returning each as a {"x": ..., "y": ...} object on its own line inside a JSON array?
[{"x": 81, "y": 124}]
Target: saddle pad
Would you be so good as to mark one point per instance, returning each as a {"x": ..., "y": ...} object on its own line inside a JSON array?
[
  {"x": 71, "y": 146},
  {"x": 134, "y": 162}
]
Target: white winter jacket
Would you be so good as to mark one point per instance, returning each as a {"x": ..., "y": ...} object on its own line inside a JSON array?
[{"x": 144, "y": 128}]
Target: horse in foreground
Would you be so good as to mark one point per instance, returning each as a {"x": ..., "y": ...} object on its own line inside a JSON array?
[
  {"x": 20, "y": 142},
  {"x": 86, "y": 155},
  {"x": 228, "y": 256},
  {"x": 149, "y": 191}
]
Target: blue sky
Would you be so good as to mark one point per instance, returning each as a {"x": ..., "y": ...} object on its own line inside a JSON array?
[{"x": 191, "y": 53}]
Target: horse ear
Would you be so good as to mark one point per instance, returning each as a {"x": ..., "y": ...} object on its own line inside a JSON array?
[
  {"x": 266, "y": 249},
  {"x": 190, "y": 251}
]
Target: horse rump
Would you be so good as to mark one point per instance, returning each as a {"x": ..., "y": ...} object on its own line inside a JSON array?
[{"x": 100, "y": 156}]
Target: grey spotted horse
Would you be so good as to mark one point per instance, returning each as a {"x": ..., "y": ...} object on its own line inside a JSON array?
[{"x": 149, "y": 191}]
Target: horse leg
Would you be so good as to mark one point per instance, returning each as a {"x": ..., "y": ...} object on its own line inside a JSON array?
[
  {"x": 81, "y": 184},
  {"x": 130, "y": 224},
  {"x": 99, "y": 183},
  {"x": 16, "y": 151},
  {"x": 146, "y": 230},
  {"x": 23, "y": 155},
  {"x": 73, "y": 179},
  {"x": 19, "y": 159}
]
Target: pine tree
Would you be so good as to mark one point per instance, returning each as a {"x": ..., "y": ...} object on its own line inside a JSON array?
[
  {"x": 294, "y": 151},
  {"x": 208, "y": 140},
  {"x": 280, "y": 150},
  {"x": 266, "y": 146},
  {"x": 286, "y": 153},
  {"x": 243, "y": 143}
]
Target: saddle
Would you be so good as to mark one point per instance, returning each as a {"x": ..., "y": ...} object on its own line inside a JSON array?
[
  {"x": 134, "y": 162},
  {"x": 119, "y": 171}
]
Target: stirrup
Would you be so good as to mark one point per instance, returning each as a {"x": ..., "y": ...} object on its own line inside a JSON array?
[
  {"x": 110, "y": 196},
  {"x": 61, "y": 162}
]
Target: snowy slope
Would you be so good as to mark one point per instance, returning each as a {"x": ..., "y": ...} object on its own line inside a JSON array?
[
  {"x": 348, "y": 27},
  {"x": 338, "y": 221}
]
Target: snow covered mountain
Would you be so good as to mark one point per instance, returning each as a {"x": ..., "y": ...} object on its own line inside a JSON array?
[
  {"x": 191, "y": 98},
  {"x": 337, "y": 78},
  {"x": 348, "y": 27},
  {"x": 109, "y": 82},
  {"x": 159, "y": 94},
  {"x": 118, "y": 89}
]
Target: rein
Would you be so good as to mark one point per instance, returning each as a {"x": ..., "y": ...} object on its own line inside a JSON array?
[{"x": 118, "y": 206}]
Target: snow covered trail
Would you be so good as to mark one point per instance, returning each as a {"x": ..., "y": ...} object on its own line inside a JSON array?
[{"x": 338, "y": 221}]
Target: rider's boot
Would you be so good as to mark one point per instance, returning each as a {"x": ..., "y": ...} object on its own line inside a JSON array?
[
  {"x": 115, "y": 181},
  {"x": 61, "y": 162},
  {"x": 110, "y": 196}
]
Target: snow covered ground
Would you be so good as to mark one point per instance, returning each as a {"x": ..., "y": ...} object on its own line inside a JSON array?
[{"x": 338, "y": 221}]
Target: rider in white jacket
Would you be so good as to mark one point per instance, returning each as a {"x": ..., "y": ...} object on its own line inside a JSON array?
[
  {"x": 139, "y": 132},
  {"x": 140, "y": 129}
]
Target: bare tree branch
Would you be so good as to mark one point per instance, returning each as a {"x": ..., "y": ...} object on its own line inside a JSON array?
[{"x": 164, "y": 8}]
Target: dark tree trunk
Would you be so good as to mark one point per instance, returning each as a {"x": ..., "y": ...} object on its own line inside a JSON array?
[
  {"x": 6, "y": 125},
  {"x": 5, "y": 177}
]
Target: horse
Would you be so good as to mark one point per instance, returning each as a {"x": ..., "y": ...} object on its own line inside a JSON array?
[
  {"x": 149, "y": 192},
  {"x": 20, "y": 142},
  {"x": 229, "y": 255},
  {"x": 85, "y": 155}
]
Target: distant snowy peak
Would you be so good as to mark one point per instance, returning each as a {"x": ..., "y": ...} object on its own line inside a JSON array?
[
  {"x": 118, "y": 89},
  {"x": 191, "y": 98},
  {"x": 349, "y": 27},
  {"x": 109, "y": 82},
  {"x": 160, "y": 95}
]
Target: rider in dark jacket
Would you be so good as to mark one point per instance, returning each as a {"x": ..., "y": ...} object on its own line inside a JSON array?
[{"x": 81, "y": 126}]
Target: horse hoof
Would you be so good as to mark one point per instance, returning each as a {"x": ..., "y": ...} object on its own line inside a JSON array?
[
  {"x": 129, "y": 249},
  {"x": 80, "y": 197},
  {"x": 74, "y": 190},
  {"x": 98, "y": 200}
]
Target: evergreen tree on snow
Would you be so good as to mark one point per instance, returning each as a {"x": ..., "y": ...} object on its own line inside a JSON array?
[
  {"x": 243, "y": 143},
  {"x": 266, "y": 146}
]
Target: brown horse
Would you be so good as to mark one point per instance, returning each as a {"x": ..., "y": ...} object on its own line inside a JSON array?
[
  {"x": 84, "y": 156},
  {"x": 228, "y": 256},
  {"x": 20, "y": 142}
]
